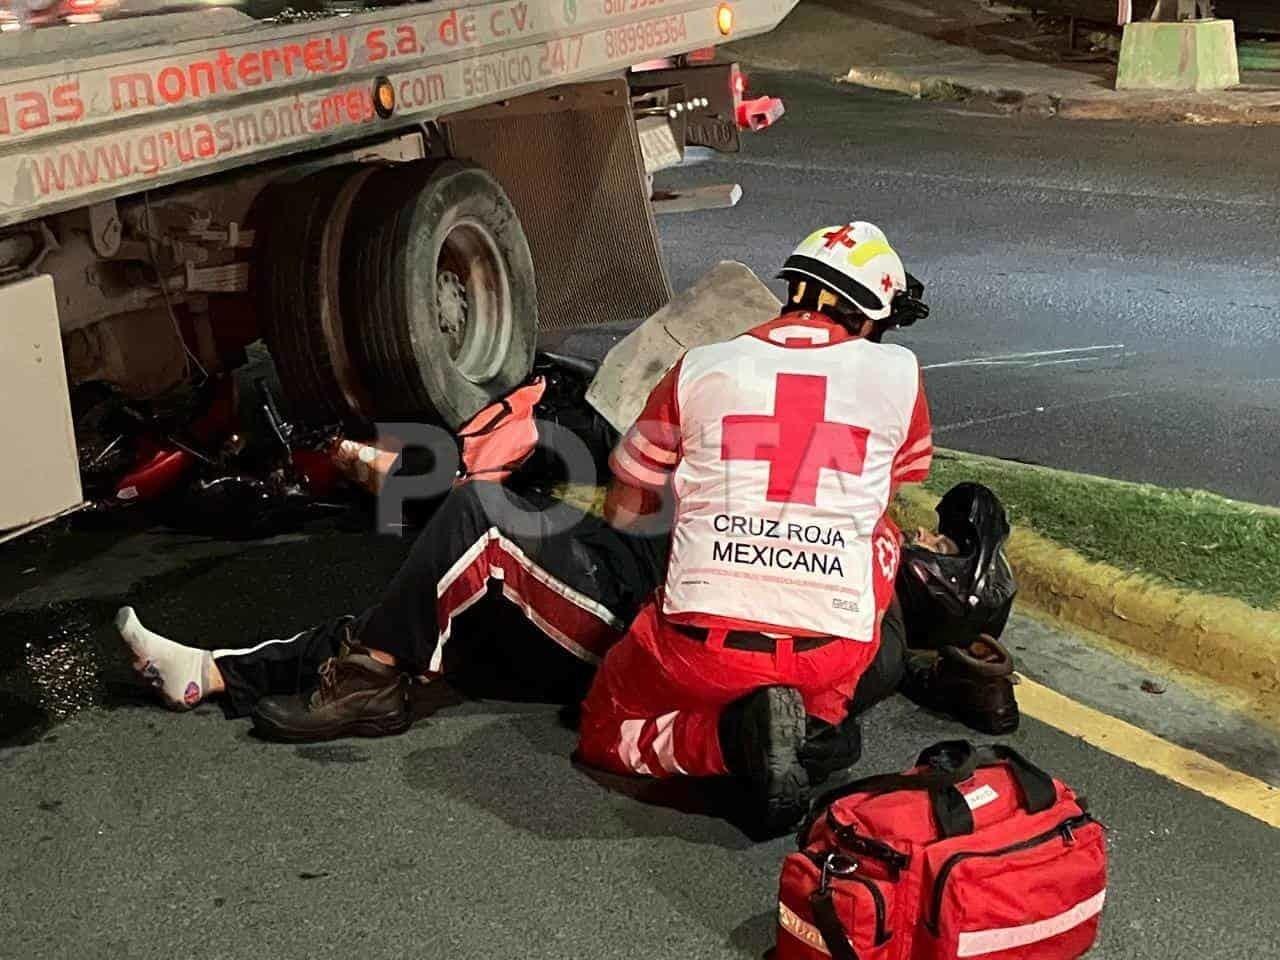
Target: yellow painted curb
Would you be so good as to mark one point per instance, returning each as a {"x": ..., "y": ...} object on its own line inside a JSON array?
[{"x": 1220, "y": 638}]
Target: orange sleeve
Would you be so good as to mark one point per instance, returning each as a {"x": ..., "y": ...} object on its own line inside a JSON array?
[
  {"x": 915, "y": 456},
  {"x": 650, "y": 450}
]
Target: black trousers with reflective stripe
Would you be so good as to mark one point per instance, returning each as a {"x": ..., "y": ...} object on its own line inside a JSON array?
[
  {"x": 566, "y": 575},
  {"x": 500, "y": 639}
]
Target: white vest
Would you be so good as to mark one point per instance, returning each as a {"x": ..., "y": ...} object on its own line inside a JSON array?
[{"x": 786, "y": 457}]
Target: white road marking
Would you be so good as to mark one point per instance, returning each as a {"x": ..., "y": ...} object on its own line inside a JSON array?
[
  {"x": 1016, "y": 414},
  {"x": 1058, "y": 363},
  {"x": 1031, "y": 358}
]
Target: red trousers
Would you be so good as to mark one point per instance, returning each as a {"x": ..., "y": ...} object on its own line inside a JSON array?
[{"x": 655, "y": 705}]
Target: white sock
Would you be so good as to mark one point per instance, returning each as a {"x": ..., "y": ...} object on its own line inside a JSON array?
[{"x": 179, "y": 673}]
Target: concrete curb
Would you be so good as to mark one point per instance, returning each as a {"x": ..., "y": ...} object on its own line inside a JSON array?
[
  {"x": 1219, "y": 638},
  {"x": 1174, "y": 108},
  {"x": 946, "y": 87}
]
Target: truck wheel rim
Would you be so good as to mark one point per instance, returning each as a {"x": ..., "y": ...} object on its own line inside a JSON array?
[{"x": 473, "y": 301}]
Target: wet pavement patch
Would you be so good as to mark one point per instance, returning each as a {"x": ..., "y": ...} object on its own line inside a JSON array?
[
  {"x": 61, "y": 654},
  {"x": 56, "y": 661}
]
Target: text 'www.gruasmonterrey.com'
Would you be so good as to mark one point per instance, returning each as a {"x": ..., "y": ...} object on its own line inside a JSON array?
[{"x": 147, "y": 152}]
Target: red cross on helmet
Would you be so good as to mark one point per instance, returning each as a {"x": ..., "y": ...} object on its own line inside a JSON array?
[{"x": 853, "y": 260}]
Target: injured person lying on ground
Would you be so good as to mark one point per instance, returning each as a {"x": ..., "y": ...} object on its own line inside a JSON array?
[{"x": 738, "y": 594}]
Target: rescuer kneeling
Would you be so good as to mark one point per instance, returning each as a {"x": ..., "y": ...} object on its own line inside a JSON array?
[
  {"x": 742, "y": 635},
  {"x": 779, "y": 452}
]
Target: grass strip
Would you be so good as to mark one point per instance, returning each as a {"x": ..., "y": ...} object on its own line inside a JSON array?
[{"x": 1188, "y": 538}]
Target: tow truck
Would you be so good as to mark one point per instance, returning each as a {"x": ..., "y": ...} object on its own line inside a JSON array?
[{"x": 395, "y": 200}]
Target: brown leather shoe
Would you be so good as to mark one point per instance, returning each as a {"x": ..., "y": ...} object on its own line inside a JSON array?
[
  {"x": 358, "y": 696},
  {"x": 973, "y": 684}
]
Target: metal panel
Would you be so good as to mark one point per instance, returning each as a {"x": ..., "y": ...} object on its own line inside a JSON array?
[
  {"x": 570, "y": 161},
  {"x": 130, "y": 120},
  {"x": 39, "y": 474}
]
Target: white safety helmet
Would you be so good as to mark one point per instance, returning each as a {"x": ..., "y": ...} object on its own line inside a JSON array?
[{"x": 854, "y": 260}]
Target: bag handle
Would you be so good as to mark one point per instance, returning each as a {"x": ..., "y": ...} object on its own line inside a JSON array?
[
  {"x": 1036, "y": 786},
  {"x": 951, "y": 810},
  {"x": 950, "y": 762},
  {"x": 828, "y": 924},
  {"x": 934, "y": 780}
]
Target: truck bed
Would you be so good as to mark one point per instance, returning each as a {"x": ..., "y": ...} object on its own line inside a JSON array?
[{"x": 105, "y": 110}]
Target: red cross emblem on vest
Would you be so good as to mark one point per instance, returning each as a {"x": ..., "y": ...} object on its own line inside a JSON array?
[
  {"x": 887, "y": 555},
  {"x": 797, "y": 440}
]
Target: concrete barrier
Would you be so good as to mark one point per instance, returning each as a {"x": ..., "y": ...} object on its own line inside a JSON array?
[{"x": 1191, "y": 55}]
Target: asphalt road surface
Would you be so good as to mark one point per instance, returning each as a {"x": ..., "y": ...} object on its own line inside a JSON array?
[
  {"x": 1135, "y": 267},
  {"x": 128, "y": 831}
]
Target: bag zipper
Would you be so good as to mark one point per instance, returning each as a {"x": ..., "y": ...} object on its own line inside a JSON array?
[
  {"x": 1066, "y": 830},
  {"x": 824, "y": 862}
]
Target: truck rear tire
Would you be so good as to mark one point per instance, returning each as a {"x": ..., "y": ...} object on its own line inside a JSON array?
[
  {"x": 439, "y": 298},
  {"x": 298, "y": 301}
]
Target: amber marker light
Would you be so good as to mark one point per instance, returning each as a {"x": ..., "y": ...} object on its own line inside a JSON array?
[
  {"x": 384, "y": 97},
  {"x": 724, "y": 19}
]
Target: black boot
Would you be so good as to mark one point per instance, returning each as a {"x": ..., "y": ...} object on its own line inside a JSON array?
[
  {"x": 974, "y": 684},
  {"x": 761, "y": 736},
  {"x": 830, "y": 750},
  {"x": 358, "y": 696}
]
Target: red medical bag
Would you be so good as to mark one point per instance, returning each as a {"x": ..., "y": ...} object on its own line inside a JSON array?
[{"x": 974, "y": 852}]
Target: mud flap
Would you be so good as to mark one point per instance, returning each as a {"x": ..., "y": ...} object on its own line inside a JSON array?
[
  {"x": 727, "y": 301},
  {"x": 39, "y": 475}
]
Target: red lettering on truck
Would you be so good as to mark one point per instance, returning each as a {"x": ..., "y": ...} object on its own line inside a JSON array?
[
  {"x": 422, "y": 89},
  {"x": 405, "y": 43},
  {"x": 77, "y": 167},
  {"x": 224, "y": 72},
  {"x": 31, "y": 109},
  {"x": 510, "y": 19},
  {"x": 131, "y": 90},
  {"x": 375, "y": 45},
  {"x": 68, "y": 106}
]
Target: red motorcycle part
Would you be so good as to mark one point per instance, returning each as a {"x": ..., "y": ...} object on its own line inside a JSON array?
[
  {"x": 322, "y": 476},
  {"x": 154, "y": 475}
]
